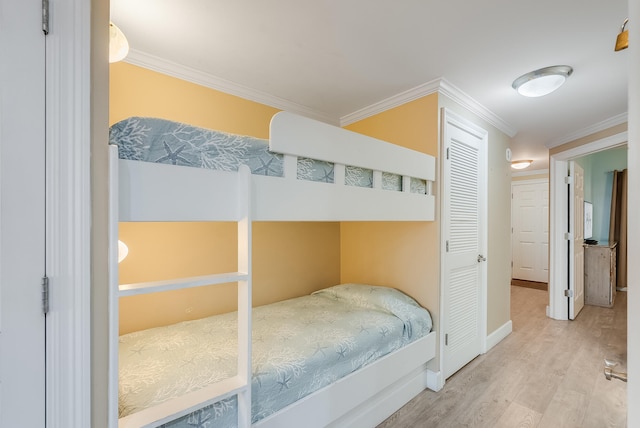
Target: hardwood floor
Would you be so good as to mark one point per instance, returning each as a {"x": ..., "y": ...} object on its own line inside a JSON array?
[{"x": 546, "y": 373}]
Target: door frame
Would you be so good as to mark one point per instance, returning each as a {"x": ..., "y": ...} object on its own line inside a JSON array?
[
  {"x": 558, "y": 208},
  {"x": 576, "y": 240},
  {"x": 72, "y": 63},
  {"x": 449, "y": 117},
  {"x": 523, "y": 183}
]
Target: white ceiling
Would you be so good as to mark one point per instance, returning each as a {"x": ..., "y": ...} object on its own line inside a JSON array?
[{"x": 333, "y": 58}]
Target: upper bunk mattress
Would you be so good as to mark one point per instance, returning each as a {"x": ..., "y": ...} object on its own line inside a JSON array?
[
  {"x": 299, "y": 346},
  {"x": 168, "y": 142}
]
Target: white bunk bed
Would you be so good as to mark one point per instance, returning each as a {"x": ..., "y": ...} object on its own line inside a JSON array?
[{"x": 144, "y": 191}]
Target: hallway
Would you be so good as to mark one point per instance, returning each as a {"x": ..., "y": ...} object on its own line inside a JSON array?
[{"x": 546, "y": 373}]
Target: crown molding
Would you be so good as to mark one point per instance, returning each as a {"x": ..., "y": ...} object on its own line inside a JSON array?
[
  {"x": 440, "y": 86},
  {"x": 170, "y": 68},
  {"x": 597, "y": 127},
  {"x": 473, "y": 106},
  {"x": 391, "y": 102}
]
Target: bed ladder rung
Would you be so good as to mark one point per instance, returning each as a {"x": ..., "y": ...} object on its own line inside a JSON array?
[{"x": 180, "y": 283}]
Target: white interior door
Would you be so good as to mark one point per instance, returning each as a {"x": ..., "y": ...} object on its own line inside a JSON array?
[
  {"x": 576, "y": 235},
  {"x": 464, "y": 225},
  {"x": 22, "y": 221},
  {"x": 530, "y": 230}
]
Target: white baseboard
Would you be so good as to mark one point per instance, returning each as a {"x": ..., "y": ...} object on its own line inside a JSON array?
[
  {"x": 435, "y": 381},
  {"x": 496, "y": 337}
]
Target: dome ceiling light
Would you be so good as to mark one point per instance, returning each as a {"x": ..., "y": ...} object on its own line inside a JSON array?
[
  {"x": 543, "y": 81},
  {"x": 521, "y": 164}
]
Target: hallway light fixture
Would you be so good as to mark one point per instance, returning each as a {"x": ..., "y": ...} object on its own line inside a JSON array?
[
  {"x": 622, "y": 41},
  {"x": 521, "y": 164},
  {"x": 118, "y": 44},
  {"x": 542, "y": 81}
]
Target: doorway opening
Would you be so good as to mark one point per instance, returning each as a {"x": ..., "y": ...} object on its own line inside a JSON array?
[{"x": 559, "y": 267}]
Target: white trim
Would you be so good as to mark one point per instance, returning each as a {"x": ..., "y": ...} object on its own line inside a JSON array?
[
  {"x": 435, "y": 380},
  {"x": 409, "y": 95},
  {"x": 532, "y": 172},
  {"x": 440, "y": 86},
  {"x": 558, "y": 206},
  {"x": 590, "y": 130},
  {"x": 531, "y": 181},
  {"x": 475, "y": 107},
  {"x": 558, "y": 246},
  {"x": 170, "y": 68},
  {"x": 499, "y": 335},
  {"x": 68, "y": 205},
  {"x": 606, "y": 143}
]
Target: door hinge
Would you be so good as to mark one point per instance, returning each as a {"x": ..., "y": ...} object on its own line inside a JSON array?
[
  {"x": 568, "y": 236},
  {"x": 446, "y": 339},
  {"x": 568, "y": 293},
  {"x": 447, "y": 152},
  {"x": 568, "y": 180},
  {"x": 45, "y": 17},
  {"x": 447, "y": 245},
  {"x": 45, "y": 295}
]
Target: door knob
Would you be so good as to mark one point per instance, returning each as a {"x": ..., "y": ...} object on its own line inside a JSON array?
[{"x": 481, "y": 258}]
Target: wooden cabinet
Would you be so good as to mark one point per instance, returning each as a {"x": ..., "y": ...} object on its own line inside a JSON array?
[{"x": 600, "y": 274}]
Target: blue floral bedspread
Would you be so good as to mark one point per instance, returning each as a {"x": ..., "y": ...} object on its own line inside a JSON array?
[
  {"x": 164, "y": 141},
  {"x": 299, "y": 346}
]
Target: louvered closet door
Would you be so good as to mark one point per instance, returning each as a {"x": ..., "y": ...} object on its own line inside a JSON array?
[{"x": 464, "y": 226}]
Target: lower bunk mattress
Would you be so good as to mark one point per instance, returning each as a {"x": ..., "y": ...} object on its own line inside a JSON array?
[{"x": 298, "y": 346}]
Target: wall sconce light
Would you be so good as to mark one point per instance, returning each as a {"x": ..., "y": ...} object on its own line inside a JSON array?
[
  {"x": 622, "y": 41},
  {"x": 123, "y": 250},
  {"x": 521, "y": 164},
  {"x": 542, "y": 81},
  {"x": 118, "y": 44}
]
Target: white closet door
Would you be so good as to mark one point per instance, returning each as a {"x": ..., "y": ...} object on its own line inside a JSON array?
[
  {"x": 464, "y": 235},
  {"x": 22, "y": 247},
  {"x": 530, "y": 223},
  {"x": 576, "y": 248}
]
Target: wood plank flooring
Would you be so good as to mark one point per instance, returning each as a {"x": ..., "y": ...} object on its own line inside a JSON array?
[{"x": 546, "y": 373}]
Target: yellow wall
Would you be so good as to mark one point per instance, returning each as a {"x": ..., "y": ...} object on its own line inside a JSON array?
[
  {"x": 136, "y": 91},
  {"x": 398, "y": 254},
  {"x": 289, "y": 259}
]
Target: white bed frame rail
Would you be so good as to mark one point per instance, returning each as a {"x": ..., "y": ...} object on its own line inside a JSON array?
[
  {"x": 278, "y": 199},
  {"x": 140, "y": 198}
]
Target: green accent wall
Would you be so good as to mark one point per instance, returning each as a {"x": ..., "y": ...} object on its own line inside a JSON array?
[{"x": 598, "y": 180}]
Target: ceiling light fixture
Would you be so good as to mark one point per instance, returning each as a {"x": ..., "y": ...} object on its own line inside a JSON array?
[
  {"x": 622, "y": 41},
  {"x": 543, "y": 81},
  {"x": 521, "y": 164},
  {"x": 118, "y": 44}
]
